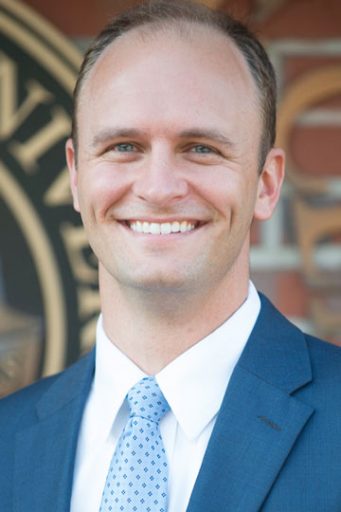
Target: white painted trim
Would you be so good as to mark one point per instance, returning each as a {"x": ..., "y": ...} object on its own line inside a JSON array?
[
  {"x": 311, "y": 47},
  {"x": 304, "y": 324},
  {"x": 320, "y": 117},
  {"x": 288, "y": 257}
]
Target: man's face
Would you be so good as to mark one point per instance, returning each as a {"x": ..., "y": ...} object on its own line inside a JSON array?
[{"x": 167, "y": 178}]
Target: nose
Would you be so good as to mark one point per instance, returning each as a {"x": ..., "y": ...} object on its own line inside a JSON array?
[{"x": 160, "y": 181}]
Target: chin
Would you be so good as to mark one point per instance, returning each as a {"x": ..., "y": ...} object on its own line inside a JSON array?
[{"x": 157, "y": 283}]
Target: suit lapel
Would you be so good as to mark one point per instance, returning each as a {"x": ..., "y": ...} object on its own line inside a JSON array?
[
  {"x": 257, "y": 425},
  {"x": 52, "y": 440},
  {"x": 259, "y": 420}
]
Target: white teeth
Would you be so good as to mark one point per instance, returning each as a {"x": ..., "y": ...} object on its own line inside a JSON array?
[
  {"x": 155, "y": 229},
  {"x": 166, "y": 228},
  {"x": 163, "y": 228},
  {"x": 183, "y": 226},
  {"x": 175, "y": 227}
]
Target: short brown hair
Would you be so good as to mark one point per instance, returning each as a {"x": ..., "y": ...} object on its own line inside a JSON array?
[{"x": 166, "y": 12}]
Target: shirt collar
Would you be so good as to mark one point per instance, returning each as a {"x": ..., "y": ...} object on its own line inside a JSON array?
[
  {"x": 115, "y": 374},
  {"x": 193, "y": 384}
]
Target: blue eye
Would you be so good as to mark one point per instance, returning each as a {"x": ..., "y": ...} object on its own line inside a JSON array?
[
  {"x": 200, "y": 148},
  {"x": 124, "y": 147}
]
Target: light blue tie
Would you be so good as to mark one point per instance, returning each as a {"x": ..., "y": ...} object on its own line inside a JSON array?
[{"x": 137, "y": 480}]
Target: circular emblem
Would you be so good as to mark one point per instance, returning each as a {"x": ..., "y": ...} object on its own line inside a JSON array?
[{"x": 48, "y": 276}]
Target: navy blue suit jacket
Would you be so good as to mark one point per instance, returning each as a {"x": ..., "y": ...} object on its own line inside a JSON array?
[{"x": 275, "y": 447}]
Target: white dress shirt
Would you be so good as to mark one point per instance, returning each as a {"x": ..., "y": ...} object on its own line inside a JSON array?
[{"x": 193, "y": 384}]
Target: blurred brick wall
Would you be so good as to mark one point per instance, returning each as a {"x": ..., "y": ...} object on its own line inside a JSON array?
[{"x": 300, "y": 35}]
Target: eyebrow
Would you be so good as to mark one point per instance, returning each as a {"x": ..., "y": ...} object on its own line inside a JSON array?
[
  {"x": 192, "y": 133},
  {"x": 204, "y": 133},
  {"x": 113, "y": 133}
]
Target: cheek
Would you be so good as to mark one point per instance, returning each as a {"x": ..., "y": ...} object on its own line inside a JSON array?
[
  {"x": 235, "y": 201},
  {"x": 222, "y": 191},
  {"x": 100, "y": 189}
]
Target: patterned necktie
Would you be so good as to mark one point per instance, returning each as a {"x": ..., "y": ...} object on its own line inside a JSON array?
[{"x": 138, "y": 474}]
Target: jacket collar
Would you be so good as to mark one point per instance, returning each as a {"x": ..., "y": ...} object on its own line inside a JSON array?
[
  {"x": 257, "y": 425},
  {"x": 259, "y": 420},
  {"x": 48, "y": 445}
]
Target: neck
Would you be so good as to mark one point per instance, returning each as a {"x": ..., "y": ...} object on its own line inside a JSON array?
[{"x": 154, "y": 327}]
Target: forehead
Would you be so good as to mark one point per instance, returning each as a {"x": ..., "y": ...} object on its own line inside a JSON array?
[
  {"x": 188, "y": 68},
  {"x": 161, "y": 42}
]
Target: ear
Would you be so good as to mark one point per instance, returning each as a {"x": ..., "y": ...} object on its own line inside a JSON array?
[
  {"x": 71, "y": 163},
  {"x": 270, "y": 184}
]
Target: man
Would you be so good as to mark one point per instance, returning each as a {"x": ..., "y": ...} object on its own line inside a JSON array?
[{"x": 171, "y": 158}]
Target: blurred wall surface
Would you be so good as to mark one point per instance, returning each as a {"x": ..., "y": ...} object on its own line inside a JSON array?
[{"x": 47, "y": 273}]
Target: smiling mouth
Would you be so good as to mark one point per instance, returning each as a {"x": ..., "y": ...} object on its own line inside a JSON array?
[{"x": 162, "y": 228}]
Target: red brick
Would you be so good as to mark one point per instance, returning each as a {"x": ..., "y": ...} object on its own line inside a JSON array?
[
  {"x": 316, "y": 19},
  {"x": 296, "y": 66},
  {"x": 292, "y": 294},
  {"x": 80, "y": 18},
  {"x": 315, "y": 150}
]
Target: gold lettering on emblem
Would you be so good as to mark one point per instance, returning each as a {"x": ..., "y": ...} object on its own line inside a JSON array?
[
  {"x": 29, "y": 151},
  {"x": 76, "y": 242},
  {"x": 12, "y": 115},
  {"x": 59, "y": 192},
  {"x": 85, "y": 274}
]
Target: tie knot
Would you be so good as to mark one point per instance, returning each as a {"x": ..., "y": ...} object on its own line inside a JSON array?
[{"x": 146, "y": 400}]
